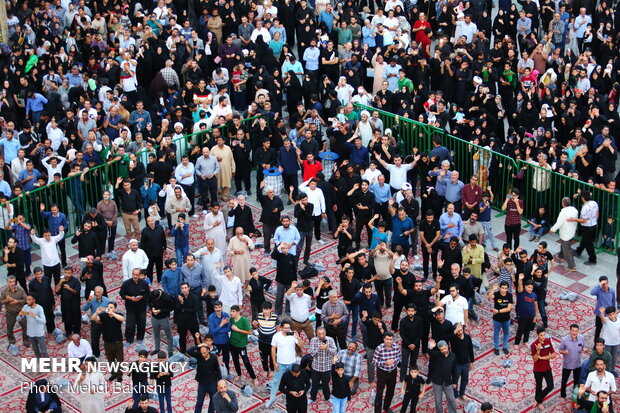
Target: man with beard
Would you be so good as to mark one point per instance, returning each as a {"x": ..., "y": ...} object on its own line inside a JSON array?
[
  {"x": 69, "y": 291},
  {"x": 41, "y": 287},
  {"x": 406, "y": 279},
  {"x": 153, "y": 243},
  {"x": 92, "y": 276},
  {"x": 420, "y": 298},
  {"x": 93, "y": 302}
]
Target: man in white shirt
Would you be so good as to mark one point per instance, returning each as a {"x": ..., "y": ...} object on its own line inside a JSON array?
[
  {"x": 54, "y": 165},
  {"x": 600, "y": 380},
  {"x": 18, "y": 164},
  {"x": 300, "y": 309},
  {"x": 49, "y": 253},
  {"x": 317, "y": 199},
  {"x": 260, "y": 30},
  {"x": 398, "y": 171},
  {"x": 134, "y": 258},
  {"x": 588, "y": 220},
  {"x": 610, "y": 332},
  {"x": 283, "y": 352},
  {"x": 456, "y": 307},
  {"x": 468, "y": 28},
  {"x": 567, "y": 225},
  {"x": 79, "y": 348},
  {"x": 212, "y": 261}
]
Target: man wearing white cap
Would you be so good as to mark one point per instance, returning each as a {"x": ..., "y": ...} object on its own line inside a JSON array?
[
  {"x": 133, "y": 258},
  {"x": 398, "y": 171}
]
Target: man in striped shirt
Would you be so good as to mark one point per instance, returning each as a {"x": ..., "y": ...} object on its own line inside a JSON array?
[
  {"x": 352, "y": 365},
  {"x": 266, "y": 324},
  {"x": 386, "y": 358}
]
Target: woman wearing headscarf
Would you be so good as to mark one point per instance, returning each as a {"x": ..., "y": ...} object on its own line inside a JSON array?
[
  {"x": 294, "y": 91},
  {"x": 40, "y": 399}
]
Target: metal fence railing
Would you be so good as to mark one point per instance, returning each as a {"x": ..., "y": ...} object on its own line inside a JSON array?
[
  {"x": 537, "y": 185},
  {"x": 75, "y": 194}
]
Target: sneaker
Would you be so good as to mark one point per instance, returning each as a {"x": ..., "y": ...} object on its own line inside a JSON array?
[
  {"x": 536, "y": 239},
  {"x": 321, "y": 242},
  {"x": 506, "y": 351},
  {"x": 496, "y": 352},
  {"x": 27, "y": 345}
]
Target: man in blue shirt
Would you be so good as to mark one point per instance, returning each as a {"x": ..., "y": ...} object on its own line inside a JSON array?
[
  {"x": 605, "y": 297},
  {"x": 219, "y": 327},
  {"x": 35, "y": 103},
  {"x": 288, "y": 165},
  {"x": 10, "y": 146},
  {"x": 359, "y": 153},
  {"x": 93, "y": 302},
  {"x": 311, "y": 56},
  {"x": 450, "y": 224},
  {"x": 382, "y": 196},
  {"x": 402, "y": 227},
  {"x": 56, "y": 219}
]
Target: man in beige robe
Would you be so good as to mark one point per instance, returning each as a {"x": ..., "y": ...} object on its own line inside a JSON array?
[
  {"x": 224, "y": 156},
  {"x": 239, "y": 248},
  {"x": 215, "y": 227}
]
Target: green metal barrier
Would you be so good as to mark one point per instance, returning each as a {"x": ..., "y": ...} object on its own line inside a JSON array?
[
  {"x": 75, "y": 194},
  {"x": 537, "y": 185}
]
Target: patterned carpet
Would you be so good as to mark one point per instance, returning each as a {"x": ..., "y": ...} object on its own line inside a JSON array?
[{"x": 516, "y": 396}]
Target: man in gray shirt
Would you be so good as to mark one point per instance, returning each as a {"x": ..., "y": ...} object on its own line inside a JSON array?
[
  {"x": 206, "y": 170},
  {"x": 191, "y": 273},
  {"x": 35, "y": 321},
  {"x": 225, "y": 401}
]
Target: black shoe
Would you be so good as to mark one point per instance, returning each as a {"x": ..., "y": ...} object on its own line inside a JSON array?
[
  {"x": 496, "y": 352},
  {"x": 289, "y": 202},
  {"x": 152, "y": 353},
  {"x": 119, "y": 379},
  {"x": 204, "y": 323},
  {"x": 248, "y": 192},
  {"x": 589, "y": 263},
  {"x": 576, "y": 253},
  {"x": 506, "y": 351},
  {"x": 111, "y": 378},
  {"x": 170, "y": 353}
]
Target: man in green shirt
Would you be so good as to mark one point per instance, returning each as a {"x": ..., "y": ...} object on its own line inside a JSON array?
[
  {"x": 345, "y": 35},
  {"x": 241, "y": 329},
  {"x": 403, "y": 81}
]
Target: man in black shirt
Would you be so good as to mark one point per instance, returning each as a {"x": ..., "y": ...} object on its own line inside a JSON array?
[
  {"x": 264, "y": 158},
  {"x": 502, "y": 306},
  {"x": 14, "y": 260},
  {"x": 186, "y": 310},
  {"x": 375, "y": 329},
  {"x": 153, "y": 243},
  {"x": 130, "y": 204},
  {"x": 92, "y": 276},
  {"x": 135, "y": 293},
  {"x": 441, "y": 329},
  {"x": 522, "y": 264},
  {"x": 295, "y": 384},
  {"x": 363, "y": 202},
  {"x": 87, "y": 241},
  {"x": 69, "y": 291},
  {"x": 305, "y": 225},
  {"x": 411, "y": 330},
  {"x": 443, "y": 374},
  {"x": 111, "y": 323},
  {"x": 286, "y": 273},
  {"x": 430, "y": 234},
  {"x": 464, "y": 350},
  {"x": 161, "y": 304},
  {"x": 243, "y": 215},
  {"x": 41, "y": 286},
  {"x": 98, "y": 227},
  {"x": 272, "y": 207},
  {"x": 450, "y": 254},
  {"x": 345, "y": 234},
  {"x": 406, "y": 279},
  {"x": 420, "y": 297},
  {"x": 350, "y": 285}
]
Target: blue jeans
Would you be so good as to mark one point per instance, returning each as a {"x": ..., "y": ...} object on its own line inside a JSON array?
[
  {"x": 462, "y": 373},
  {"x": 542, "y": 309},
  {"x": 354, "y": 312},
  {"x": 275, "y": 382},
  {"x": 338, "y": 405},
  {"x": 203, "y": 389},
  {"x": 182, "y": 254},
  {"x": 497, "y": 326},
  {"x": 488, "y": 232},
  {"x": 166, "y": 395},
  {"x": 538, "y": 232}
]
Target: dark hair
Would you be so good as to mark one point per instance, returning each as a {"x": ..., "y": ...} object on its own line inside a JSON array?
[
  {"x": 540, "y": 329},
  {"x": 296, "y": 368},
  {"x": 599, "y": 340},
  {"x": 411, "y": 305},
  {"x": 235, "y": 308},
  {"x": 144, "y": 353},
  {"x": 339, "y": 365},
  {"x": 574, "y": 326},
  {"x": 267, "y": 305},
  {"x": 504, "y": 284},
  {"x": 388, "y": 334}
]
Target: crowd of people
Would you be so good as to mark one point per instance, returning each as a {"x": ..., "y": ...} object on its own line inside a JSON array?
[{"x": 158, "y": 94}]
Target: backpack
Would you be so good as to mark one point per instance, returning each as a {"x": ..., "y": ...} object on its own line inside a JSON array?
[{"x": 308, "y": 272}]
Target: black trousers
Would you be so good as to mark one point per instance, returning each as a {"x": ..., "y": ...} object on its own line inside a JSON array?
[
  {"x": 338, "y": 334},
  {"x": 95, "y": 338},
  {"x": 409, "y": 357},
  {"x": 158, "y": 263},
  {"x": 71, "y": 317},
  {"x": 512, "y": 233},
  {"x": 296, "y": 404},
  {"x": 317, "y": 226},
  {"x": 524, "y": 327},
  {"x": 63, "y": 252},
  {"x": 290, "y": 180},
  {"x": 360, "y": 224},
  {"x": 541, "y": 393},
  {"x": 240, "y": 352},
  {"x": 208, "y": 188},
  {"x": 52, "y": 273},
  {"x": 588, "y": 234},
  {"x": 598, "y": 327},
  {"x": 48, "y": 310},
  {"x": 305, "y": 241},
  {"x": 111, "y": 236},
  {"x": 398, "y": 307},
  {"x": 433, "y": 259},
  {"x": 185, "y": 324},
  {"x": 409, "y": 397},
  {"x": 190, "y": 191},
  {"x": 322, "y": 378},
  {"x": 265, "y": 356},
  {"x": 268, "y": 232},
  {"x": 225, "y": 351},
  {"x": 135, "y": 324},
  {"x": 565, "y": 375},
  {"x": 386, "y": 380},
  {"x": 242, "y": 176}
]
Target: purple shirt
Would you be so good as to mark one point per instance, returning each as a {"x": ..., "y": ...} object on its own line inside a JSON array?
[
  {"x": 572, "y": 360},
  {"x": 603, "y": 298}
]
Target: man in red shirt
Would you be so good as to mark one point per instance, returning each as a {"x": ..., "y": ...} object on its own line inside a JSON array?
[
  {"x": 542, "y": 354},
  {"x": 471, "y": 195},
  {"x": 310, "y": 167},
  {"x": 419, "y": 26}
]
